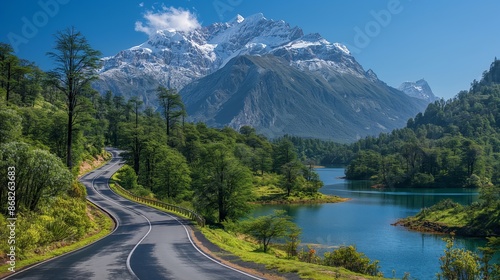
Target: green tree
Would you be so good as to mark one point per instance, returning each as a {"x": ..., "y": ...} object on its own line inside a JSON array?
[
  {"x": 171, "y": 105},
  {"x": 489, "y": 194},
  {"x": 223, "y": 185},
  {"x": 39, "y": 174},
  {"x": 458, "y": 264},
  {"x": 490, "y": 271},
  {"x": 291, "y": 171},
  {"x": 313, "y": 182},
  {"x": 8, "y": 64},
  {"x": 173, "y": 176},
  {"x": 472, "y": 154},
  {"x": 364, "y": 166},
  {"x": 76, "y": 63},
  {"x": 10, "y": 125},
  {"x": 283, "y": 152},
  {"x": 136, "y": 148},
  {"x": 127, "y": 177},
  {"x": 270, "y": 227},
  {"x": 391, "y": 173},
  {"x": 263, "y": 159}
]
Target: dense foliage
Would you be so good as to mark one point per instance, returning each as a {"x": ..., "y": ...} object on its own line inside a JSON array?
[
  {"x": 271, "y": 227},
  {"x": 454, "y": 143},
  {"x": 462, "y": 264},
  {"x": 58, "y": 112},
  {"x": 211, "y": 169},
  {"x": 345, "y": 256},
  {"x": 50, "y": 204}
]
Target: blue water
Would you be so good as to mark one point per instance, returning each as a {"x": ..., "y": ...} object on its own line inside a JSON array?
[{"x": 365, "y": 221}]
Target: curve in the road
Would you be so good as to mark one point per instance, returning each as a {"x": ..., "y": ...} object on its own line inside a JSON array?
[{"x": 146, "y": 243}]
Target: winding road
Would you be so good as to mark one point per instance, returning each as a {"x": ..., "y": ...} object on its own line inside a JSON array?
[{"x": 146, "y": 244}]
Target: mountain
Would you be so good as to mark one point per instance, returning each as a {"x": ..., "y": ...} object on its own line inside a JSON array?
[
  {"x": 175, "y": 58},
  {"x": 419, "y": 89},
  {"x": 266, "y": 92},
  {"x": 184, "y": 60}
]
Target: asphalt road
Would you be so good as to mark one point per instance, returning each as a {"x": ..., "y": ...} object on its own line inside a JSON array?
[{"x": 147, "y": 244}]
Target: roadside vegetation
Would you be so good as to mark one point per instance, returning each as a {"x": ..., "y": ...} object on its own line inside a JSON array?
[
  {"x": 52, "y": 124},
  {"x": 37, "y": 170},
  {"x": 273, "y": 240}
]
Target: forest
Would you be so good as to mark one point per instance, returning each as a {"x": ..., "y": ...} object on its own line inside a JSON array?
[
  {"x": 454, "y": 143},
  {"x": 52, "y": 121}
]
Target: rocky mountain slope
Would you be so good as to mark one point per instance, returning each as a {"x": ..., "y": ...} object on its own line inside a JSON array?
[
  {"x": 267, "y": 93},
  {"x": 292, "y": 78},
  {"x": 419, "y": 89}
]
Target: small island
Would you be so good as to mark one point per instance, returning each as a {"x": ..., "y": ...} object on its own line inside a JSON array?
[{"x": 271, "y": 194}]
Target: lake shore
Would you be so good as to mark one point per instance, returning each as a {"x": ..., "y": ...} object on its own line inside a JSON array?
[{"x": 319, "y": 199}]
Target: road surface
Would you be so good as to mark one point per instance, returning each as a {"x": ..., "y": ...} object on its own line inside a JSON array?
[{"x": 147, "y": 244}]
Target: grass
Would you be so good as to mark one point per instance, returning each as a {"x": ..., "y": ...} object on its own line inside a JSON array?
[
  {"x": 119, "y": 191},
  {"x": 248, "y": 250},
  {"x": 271, "y": 194},
  {"x": 106, "y": 225},
  {"x": 477, "y": 219},
  {"x": 94, "y": 163},
  {"x": 267, "y": 191},
  {"x": 449, "y": 217}
]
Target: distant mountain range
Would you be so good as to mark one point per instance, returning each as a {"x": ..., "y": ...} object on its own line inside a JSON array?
[
  {"x": 419, "y": 89},
  {"x": 264, "y": 73}
]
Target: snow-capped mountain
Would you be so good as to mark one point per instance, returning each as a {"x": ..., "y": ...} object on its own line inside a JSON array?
[
  {"x": 176, "y": 58},
  {"x": 419, "y": 89},
  {"x": 264, "y": 73}
]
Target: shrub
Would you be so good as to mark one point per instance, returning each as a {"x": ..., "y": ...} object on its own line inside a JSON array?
[
  {"x": 422, "y": 180},
  {"x": 309, "y": 256},
  {"x": 458, "y": 264},
  {"x": 127, "y": 177},
  {"x": 348, "y": 258},
  {"x": 444, "y": 205},
  {"x": 77, "y": 190}
]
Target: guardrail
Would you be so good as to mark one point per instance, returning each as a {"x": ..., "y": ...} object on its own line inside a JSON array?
[{"x": 169, "y": 207}]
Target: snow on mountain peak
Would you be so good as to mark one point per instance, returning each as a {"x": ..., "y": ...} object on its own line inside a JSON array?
[
  {"x": 342, "y": 48},
  {"x": 238, "y": 19},
  {"x": 174, "y": 58},
  {"x": 255, "y": 17},
  {"x": 419, "y": 89}
]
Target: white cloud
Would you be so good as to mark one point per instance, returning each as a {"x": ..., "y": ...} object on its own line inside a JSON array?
[
  {"x": 141, "y": 4},
  {"x": 169, "y": 18}
]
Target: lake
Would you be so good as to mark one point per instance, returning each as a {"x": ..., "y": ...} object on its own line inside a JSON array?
[{"x": 365, "y": 221}]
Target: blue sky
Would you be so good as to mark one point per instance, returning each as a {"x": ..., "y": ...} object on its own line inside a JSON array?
[{"x": 449, "y": 43}]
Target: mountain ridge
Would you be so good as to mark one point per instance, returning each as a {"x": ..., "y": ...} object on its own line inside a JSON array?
[
  {"x": 177, "y": 59},
  {"x": 276, "y": 98}
]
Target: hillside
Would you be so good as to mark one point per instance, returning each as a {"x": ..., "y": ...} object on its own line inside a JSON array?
[
  {"x": 265, "y": 92},
  {"x": 453, "y": 143}
]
